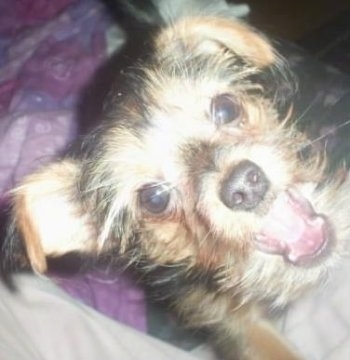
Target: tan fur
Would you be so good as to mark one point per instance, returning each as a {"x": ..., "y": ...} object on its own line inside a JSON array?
[
  {"x": 92, "y": 204},
  {"x": 209, "y": 33},
  {"x": 266, "y": 342},
  {"x": 51, "y": 225}
]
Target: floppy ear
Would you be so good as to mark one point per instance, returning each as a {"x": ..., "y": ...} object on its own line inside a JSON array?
[
  {"x": 209, "y": 33},
  {"x": 48, "y": 215}
]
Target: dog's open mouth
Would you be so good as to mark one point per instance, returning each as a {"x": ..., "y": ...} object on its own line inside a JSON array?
[{"x": 293, "y": 229}]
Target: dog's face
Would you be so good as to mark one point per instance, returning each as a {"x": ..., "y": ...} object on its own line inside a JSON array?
[{"x": 195, "y": 167}]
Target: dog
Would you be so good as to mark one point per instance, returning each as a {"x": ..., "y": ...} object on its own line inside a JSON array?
[{"x": 197, "y": 180}]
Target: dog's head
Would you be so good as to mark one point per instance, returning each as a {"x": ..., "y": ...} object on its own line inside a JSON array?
[{"x": 195, "y": 166}]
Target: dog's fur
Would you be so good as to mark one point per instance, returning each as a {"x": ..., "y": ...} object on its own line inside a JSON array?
[{"x": 149, "y": 185}]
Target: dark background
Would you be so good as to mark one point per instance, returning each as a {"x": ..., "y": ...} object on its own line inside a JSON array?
[{"x": 294, "y": 19}]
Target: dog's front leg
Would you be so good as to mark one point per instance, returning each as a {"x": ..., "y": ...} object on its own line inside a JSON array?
[
  {"x": 267, "y": 344},
  {"x": 257, "y": 341}
]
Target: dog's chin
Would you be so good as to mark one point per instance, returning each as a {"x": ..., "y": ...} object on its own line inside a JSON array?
[{"x": 294, "y": 230}]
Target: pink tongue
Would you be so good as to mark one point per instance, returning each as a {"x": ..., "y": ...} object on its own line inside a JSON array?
[{"x": 292, "y": 228}]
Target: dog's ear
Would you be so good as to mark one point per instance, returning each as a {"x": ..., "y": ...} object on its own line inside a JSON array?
[
  {"x": 208, "y": 33},
  {"x": 48, "y": 215}
]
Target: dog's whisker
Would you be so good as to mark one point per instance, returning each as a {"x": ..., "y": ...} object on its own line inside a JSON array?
[
  {"x": 97, "y": 187},
  {"x": 202, "y": 240},
  {"x": 305, "y": 111},
  {"x": 324, "y": 135}
]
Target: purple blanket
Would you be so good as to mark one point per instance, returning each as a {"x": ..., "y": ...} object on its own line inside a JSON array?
[{"x": 48, "y": 52}]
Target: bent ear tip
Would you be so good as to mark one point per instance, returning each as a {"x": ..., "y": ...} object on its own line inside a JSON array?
[
  {"x": 28, "y": 233},
  {"x": 33, "y": 210},
  {"x": 235, "y": 35},
  {"x": 37, "y": 259},
  {"x": 48, "y": 215}
]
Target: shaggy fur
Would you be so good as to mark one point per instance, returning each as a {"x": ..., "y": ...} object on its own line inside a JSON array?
[{"x": 180, "y": 179}]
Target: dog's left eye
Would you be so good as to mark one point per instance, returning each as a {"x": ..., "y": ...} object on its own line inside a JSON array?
[
  {"x": 154, "y": 198},
  {"x": 225, "y": 109}
]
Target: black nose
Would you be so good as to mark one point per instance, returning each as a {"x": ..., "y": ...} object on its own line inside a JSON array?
[{"x": 245, "y": 187}]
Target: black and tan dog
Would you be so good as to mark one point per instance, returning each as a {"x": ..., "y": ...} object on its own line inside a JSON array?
[{"x": 196, "y": 180}]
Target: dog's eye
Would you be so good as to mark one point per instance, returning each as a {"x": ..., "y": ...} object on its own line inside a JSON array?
[
  {"x": 154, "y": 198},
  {"x": 225, "y": 109}
]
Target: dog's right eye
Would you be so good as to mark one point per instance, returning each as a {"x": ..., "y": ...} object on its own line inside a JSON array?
[
  {"x": 225, "y": 109},
  {"x": 154, "y": 198}
]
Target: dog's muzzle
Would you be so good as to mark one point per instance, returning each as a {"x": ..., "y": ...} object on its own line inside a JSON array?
[
  {"x": 292, "y": 228},
  {"x": 245, "y": 187}
]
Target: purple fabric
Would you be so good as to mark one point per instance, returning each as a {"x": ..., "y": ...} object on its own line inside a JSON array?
[
  {"x": 61, "y": 67},
  {"x": 114, "y": 295},
  {"x": 44, "y": 68},
  {"x": 17, "y": 14},
  {"x": 48, "y": 52},
  {"x": 30, "y": 139}
]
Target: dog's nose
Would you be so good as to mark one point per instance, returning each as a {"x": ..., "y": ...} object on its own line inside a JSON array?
[{"x": 245, "y": 187}]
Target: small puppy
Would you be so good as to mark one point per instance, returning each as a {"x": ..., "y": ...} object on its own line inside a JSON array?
[{"x": 198, "y": 181}]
